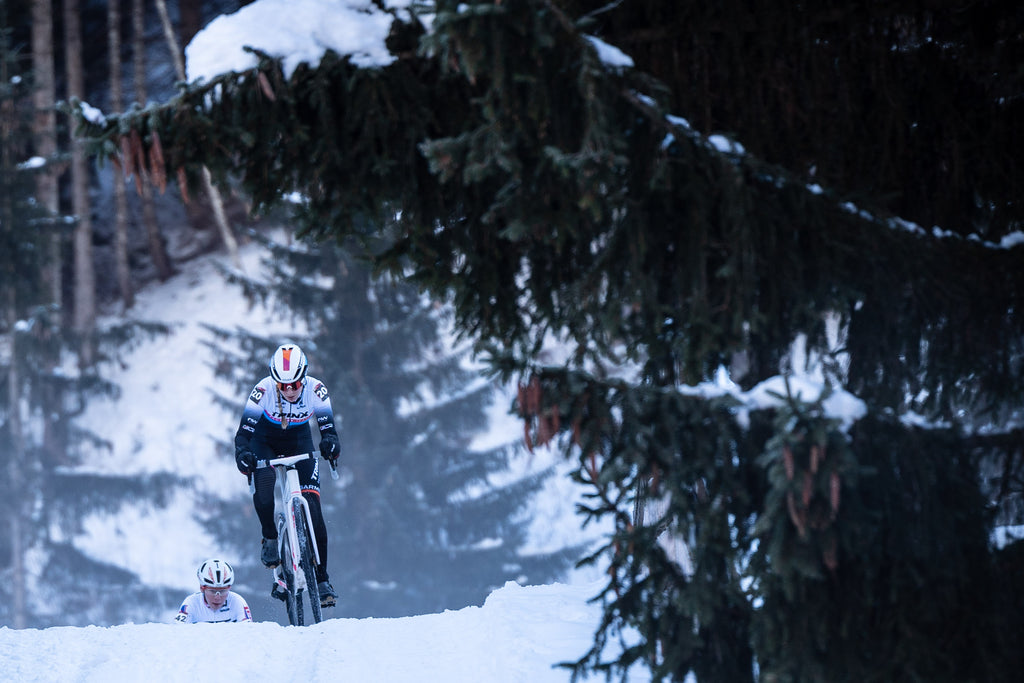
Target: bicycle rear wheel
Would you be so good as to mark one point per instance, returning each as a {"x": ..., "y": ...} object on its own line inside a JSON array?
[{"x": 307, "y": 566}]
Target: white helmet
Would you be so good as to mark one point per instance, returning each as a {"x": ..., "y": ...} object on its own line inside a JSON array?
[
  {"x": 215, "y": 574},
  {"x": 288, "y": 364}
]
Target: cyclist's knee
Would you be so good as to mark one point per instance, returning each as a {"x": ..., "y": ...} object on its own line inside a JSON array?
[{"x": 313, "y": 500}]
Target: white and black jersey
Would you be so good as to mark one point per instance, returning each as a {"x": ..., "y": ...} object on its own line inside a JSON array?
[
  {"x": 194, "y": 610},
  {"x": 273, "y": 426}
]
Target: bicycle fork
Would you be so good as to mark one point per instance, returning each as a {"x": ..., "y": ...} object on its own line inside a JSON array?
[{"x": 290, "y": 492}]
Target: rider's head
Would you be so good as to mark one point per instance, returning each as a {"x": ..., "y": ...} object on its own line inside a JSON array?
[
  {"x": 288, "y": 367},
  {"x": 215, "y": 579}
]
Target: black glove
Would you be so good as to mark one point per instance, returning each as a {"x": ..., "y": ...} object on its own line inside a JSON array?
[
  {"x": 329, "y": 448},
  {"x": 245, "y": 460}
]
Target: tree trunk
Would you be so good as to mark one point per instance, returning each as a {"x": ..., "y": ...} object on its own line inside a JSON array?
[
  {"x": 10, "y": 318},
  {"x": 45, "y": 136},
  {"x": 85, "y": 273},
  {"x": 226, "y": 234},
  {"x": 157, "y": 249},
  {"x": 19, "y": 586},
  {"x": 45, "y": 130},
  {"x": 124, "y": 276},
  {"x": 191, "y": 16}
]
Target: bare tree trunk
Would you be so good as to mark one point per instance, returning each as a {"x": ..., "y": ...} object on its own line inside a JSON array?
[
  {"x": 45, "y": 130},
  {"x": 190, "y": 17},
  {"x": 13, "y": 449},
  {"x": 157, "y": 250},
  {"x": 18, "y": 556},
  {"x": 45, "y": 139},
  {"x": 19, "y": 586},
  {"x": 85, "y": 273},
  {"x": 226, "y": 234},
  {"x": 124, "y": 275},
  {"x": 177, "y": 54}
]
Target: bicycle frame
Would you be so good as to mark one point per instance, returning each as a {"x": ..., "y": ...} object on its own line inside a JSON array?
[
  {"x": 296, "y": 575},
  {"x": 288, "y": 490}
]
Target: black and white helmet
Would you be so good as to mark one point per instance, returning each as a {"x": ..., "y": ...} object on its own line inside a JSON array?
[
  {"x": 288, "y": 364},
  {"x": 215, "y": 574}
]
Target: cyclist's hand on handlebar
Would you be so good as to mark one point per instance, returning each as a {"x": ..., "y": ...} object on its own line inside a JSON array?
[
  {"x": 330, "y": 449},
  {"x": 245, "y": 460}
]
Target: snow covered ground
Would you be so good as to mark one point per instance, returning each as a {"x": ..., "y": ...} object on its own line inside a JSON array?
[{"x": 517, "y": 636}]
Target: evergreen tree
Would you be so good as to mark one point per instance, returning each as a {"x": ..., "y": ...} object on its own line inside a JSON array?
[
  {"x": 20, "y": 265},
  {"x": 47, "y": 581},
  {"x": 418, "y": 525},
  {"x": 549, "y": 191}
]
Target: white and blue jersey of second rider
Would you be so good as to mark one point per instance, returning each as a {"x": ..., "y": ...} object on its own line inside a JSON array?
[
  {"x": 272, "y": 426},
  {"x": 194, "y": 610}
]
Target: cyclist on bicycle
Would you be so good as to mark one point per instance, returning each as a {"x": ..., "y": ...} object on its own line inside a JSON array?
[
  {"x": 276, "y": 422},
  {"x": 214, "y": 602}
]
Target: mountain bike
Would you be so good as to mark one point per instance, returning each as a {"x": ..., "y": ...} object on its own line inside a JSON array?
[{"x": 299, "y": 554}]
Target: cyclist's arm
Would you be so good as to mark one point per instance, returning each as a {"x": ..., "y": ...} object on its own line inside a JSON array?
[
  {"x": 322, "y": 409},
  {"x": 185, "y": 615},
  {"x": 251, "y": 414},
  {"x": 239, "y": 608}
]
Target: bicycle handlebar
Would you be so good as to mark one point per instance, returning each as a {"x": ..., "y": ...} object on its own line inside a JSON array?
[
  {"x": 291, "y": 460},
  {"x": 286, "y": 460}
]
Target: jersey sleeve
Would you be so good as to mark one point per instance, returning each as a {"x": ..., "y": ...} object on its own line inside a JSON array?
[
  {"x": 250, "y": 416},
  {"x": 184, "y": 615},
  {"x": 240, "y": 610},
  {"x": 322, "y": 409}
]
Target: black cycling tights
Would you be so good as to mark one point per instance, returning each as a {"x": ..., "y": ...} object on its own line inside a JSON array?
[{"x": 263, "y": 501}]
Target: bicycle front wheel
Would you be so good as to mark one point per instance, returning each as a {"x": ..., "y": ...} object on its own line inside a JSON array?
[
  {"x": 291, "y": 598},
  {"x": 307, "y": 565}
]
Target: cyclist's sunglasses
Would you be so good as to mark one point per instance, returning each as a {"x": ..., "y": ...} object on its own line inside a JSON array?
[
  {"x": 217, "y": 591},
  {"x": 297, "y": 384}
]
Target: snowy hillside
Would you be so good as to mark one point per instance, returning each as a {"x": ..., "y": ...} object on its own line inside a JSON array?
[
  {"x": 515, "y": 637},
  {"x": 167, "y": 422},
  {"x": 519, "y": 633}
]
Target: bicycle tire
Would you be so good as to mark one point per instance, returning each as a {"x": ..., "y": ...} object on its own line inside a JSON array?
[
  {"x": 306, "y": 559},
  {"x": 291, "y": 600}
]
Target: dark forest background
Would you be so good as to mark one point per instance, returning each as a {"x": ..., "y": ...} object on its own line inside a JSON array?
[{"x": 875, "y": 181}]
